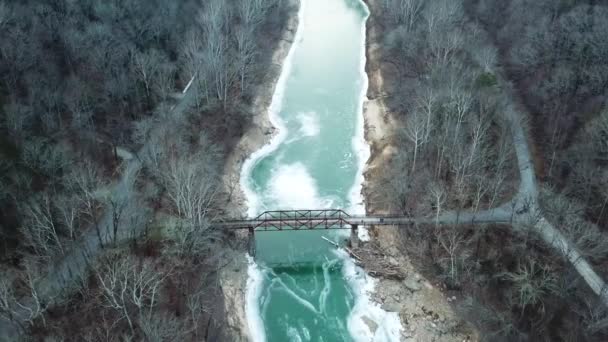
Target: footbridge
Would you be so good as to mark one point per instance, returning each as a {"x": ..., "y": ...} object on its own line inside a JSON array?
[
  {"x": 323, "y": 219},
  {"x": 283, "y": 220},
  {"x": 326, "y": 219}
]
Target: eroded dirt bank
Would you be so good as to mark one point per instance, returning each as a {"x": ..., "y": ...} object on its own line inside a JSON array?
[
  {"x": 424, "y": 308},
  {"x": 233, "y": 276}
]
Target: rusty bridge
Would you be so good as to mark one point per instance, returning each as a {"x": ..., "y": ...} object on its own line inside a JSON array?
[
  {"x": 322, "y": 219},
  {"x": 325, "y": 219}
]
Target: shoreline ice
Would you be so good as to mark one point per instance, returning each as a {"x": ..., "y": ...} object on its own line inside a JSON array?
[
  {"x": 389, "y": 323},
  {"x": 255, "y": 281}
]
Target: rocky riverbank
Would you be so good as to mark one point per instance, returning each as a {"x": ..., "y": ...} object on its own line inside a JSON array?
[
  {"x": 424, "y": 308},
  {"x": 233, "y": 277}
]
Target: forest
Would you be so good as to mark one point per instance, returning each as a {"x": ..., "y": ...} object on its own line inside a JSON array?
[
  {"x": 500, "y": 115},
  {"x": 116, "y": 118}
]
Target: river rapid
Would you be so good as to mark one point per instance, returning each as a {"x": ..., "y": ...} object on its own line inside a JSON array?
[{"x": 300, "y": 288}]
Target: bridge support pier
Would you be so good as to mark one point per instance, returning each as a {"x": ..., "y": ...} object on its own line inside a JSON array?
[
  {"x": 354, "y": 235},
  {"x": 251, "y": 241}
]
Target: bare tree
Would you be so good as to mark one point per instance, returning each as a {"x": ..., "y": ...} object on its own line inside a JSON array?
[
  {"x": 67, "y": 207},
  {"x": 17, "y": 120},
  {"x": 164, "y": 83},
  {"x": 587, "y": 238},
  {"x": 246, "y": 51},
  {"x": 438, "y": 197},
  {"x": 40, "y": 229},
  {"x": 251, "y": 14},
  {"x": 460, "y": 101},
  {"x": 161, "y": 328},
  {"x": 532, "y": 282},
  {"x": 118, "y": 202},
  {"x": 598, "y": 130},
  {"x": 191, "y": 53},
  {"x": 596, "y": 317},
  {"x": 126, "y": 284},
  {"x": 398, "y": 181},
  {"x": 191, "y": 187},
  {"x": 427, "y": 105},
  {"x": 416, "y": 131},
  {"x": 27, "y": 309},
  {"x": 214, "y": 21},
  {"x": 146, "y": 65},
  {"x": 403, "y": 12},
  {"x": 85, "y": 181},
  {"x": 8, "y": 299},
  {"x": 486, "y": 56},
  {"x": 453, "y": 244},
  {"x": 41, "y": 155},
  {"x": 568, "y": 215},
  {"x": 481, "y": 186},
  {"x": 191, "y": 180},
  {"x": 5, "y": 14}
]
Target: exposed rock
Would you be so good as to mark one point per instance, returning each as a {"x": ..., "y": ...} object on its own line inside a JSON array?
[
  {"x": 373, "y": 326},
  {"x": 393, "y": 261},
  {"x": 412, "y": 284},
  {"x": 391, "y": 307},
  {"x": 233, "y": 279}
]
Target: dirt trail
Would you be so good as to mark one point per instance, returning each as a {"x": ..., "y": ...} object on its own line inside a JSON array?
[
  {"x": 73, "y": 265},
  {"x": 412, "y": 296}
]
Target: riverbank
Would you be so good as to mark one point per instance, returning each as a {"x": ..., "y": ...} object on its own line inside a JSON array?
[
  {"x": 424, "y": 308},
  {"x": 233, "y": 277}
]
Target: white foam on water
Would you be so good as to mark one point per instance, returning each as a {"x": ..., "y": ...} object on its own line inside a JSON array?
[
  {"x": 389, "y": 323},
  {"x": 293, "y": 334},
  {"x": 255, "y": 286},
  {"x": 309, "y": 123},
  {"x": 251, "y": 198},
  {"x": 305, "y": 331},
  {"x": 295, "y": 296},
  {"x": 292, "y": 187},
  {"x": 255, "y": 279},
  {"x": 327, "y": 288},
  {"x": 294, "y": 284}
]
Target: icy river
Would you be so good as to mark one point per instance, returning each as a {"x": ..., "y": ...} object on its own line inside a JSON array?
[{"x": 300, "y": 288}]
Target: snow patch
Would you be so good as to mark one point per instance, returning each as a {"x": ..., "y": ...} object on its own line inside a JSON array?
[
  {"x": 362, "y": 285},
  {"x": 389, "y": 323},
  {"x": 359, "y": 144},
  {"x": 255, "y": 286}
]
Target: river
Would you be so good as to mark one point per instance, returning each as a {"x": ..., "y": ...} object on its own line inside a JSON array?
[{"x": 300, "y": 288}]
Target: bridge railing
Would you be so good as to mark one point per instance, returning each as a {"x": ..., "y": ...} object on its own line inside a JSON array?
[
  {"x": 301, "y": 219},
  {"x": 279, "y": 220},
  {"x": 303, "y": 214}
]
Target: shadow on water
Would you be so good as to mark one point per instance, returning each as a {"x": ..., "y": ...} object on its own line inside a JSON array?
[{"x": 303, "y": 268}]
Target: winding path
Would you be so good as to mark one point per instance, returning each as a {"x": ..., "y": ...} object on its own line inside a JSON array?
[
  {"x": 524, "y": 209},
  {"x": 73, "y": 266}
]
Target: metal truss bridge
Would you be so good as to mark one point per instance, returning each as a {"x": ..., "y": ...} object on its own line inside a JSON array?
[
  {"x": 282, "y": 220},
  {"x": 325, "y": 219}
]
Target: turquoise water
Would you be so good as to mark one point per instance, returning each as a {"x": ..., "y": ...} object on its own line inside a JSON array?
[{"x": 298, "y": 290}]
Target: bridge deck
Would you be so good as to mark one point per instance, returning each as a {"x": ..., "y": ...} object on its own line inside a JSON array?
[
  {"x": 337, "y": 219},
  {"x": 314, "y": 223}
]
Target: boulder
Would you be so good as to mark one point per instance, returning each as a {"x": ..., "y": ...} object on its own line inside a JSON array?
[
  {"x": 373, "y": 326},
  {"x": 412, "y": 284}
]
